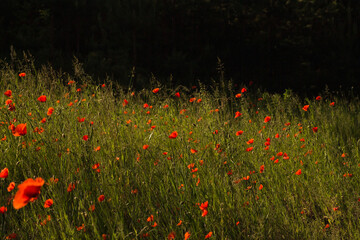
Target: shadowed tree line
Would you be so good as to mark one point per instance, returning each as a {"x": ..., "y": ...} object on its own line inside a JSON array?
[{"x": 299, "y": 44}]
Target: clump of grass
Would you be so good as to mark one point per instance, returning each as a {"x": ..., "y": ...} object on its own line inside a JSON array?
[{"x": 251, "y": 181}]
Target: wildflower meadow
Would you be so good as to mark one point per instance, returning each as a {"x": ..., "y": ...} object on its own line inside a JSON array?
[{"x": 83, "y": 160}]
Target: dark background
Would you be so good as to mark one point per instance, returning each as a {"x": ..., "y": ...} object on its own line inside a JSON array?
[{"x": 278, "y": 44}]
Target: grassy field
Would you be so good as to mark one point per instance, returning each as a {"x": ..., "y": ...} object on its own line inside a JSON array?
[{"x": 174, "y": 163}]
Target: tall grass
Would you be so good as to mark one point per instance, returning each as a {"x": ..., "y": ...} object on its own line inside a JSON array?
[{"x": 323, "y": 202}]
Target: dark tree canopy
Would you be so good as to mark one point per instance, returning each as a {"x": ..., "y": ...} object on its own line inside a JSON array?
[{"x": 300, "y": 44}]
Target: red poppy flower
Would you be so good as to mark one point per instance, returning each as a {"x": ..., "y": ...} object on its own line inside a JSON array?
[
  {"x": 243, "y": 90},
  {"x": 237, "y": 114},
  {"x": 306, "y": 107},
  {"x": 71, "y": 187},
  {"x": 156, "y": 90},
  {"x": 177, "y": 94},
  {"x": 192, "y": 100},
  {"x": 262, "y": 167},
  {"x": 150, "y": 219},
  {"x": 203, "y": 207},
  {"x": 249, "y": 149},
  {"x": 27, "y": 191},
  {"x": 347, "y": 175},
  {"x": 187, "y": 236},
  {"x": 171, "y": 236},
  {"x": 191, "y": 165},
  {"x": 261, "y": 187},
  {"x": 4, "y": 173},
  {"x": 208, "y": 235},
  {"x": 238, "y": 95},
  {"x": 8, "y": 93},
  {"x": 332, "y": 104},
  {"x": 3, "y": 209},
  {"x": 50, "y": 111},
  {"x": 8, "y": 102},
  {"x": 20, "y": 130},
  {"x": 125, "y": 102},
  {"x": 238, "y": 133},
  {"x": 11, "y": 236},
  {"x": 146, "y": 105},
  {"x": 298, "y": 172},
  {"x": 11, "y": 187},
  {"x": 173, "y": 135},
  {"x": 318, "y": 98},
  {"x": 315, "y": 129},
  {"x": 81, "y": 119},
  {"x": 101, "y": 198},
  {"x": 267, "y": 119},
  {"x": 48, "y": 203},
  {"x": 12, "y": 128},
  {"x": 22, "y": 74},
  {"x": 204, "y": 213},
  {"x": 85, "y": 137},
  {"x": 82, "y": 227},
  {"x": 193, "y": 151},
  {"x": 145, "y": 146},
  {"x": 251, "y": 141},
  {"x": 96, "y": 165},
  {"x": 42, "y": 98}
]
